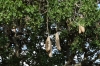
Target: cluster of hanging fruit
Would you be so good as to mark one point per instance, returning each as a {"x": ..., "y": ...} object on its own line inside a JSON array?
[
  {"x": 81, "y": 29},
  {"x": 48, "y": 44}
]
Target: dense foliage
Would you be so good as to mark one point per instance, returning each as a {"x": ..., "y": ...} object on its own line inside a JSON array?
[{"x": 29, "y": 22}]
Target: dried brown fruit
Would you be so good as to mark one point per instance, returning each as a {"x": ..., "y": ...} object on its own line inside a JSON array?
[
  {"x": 50, "y": 52},
  {"x": 57, "y": 41},
  {"x": 48, "y": 44},
  {"x": 81, "y": 29}
]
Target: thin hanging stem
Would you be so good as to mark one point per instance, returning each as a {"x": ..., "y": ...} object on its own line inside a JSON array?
[
  {"x": 47, "y": 19},
  {"x": 57, "y": 27},
  {"x": 47, "y": 26}
]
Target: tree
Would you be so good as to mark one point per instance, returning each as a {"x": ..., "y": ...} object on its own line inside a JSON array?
[{"x": 30, "y": 22}]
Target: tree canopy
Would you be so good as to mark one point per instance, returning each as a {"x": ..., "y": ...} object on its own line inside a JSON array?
[{"x": 30, "y": 22}]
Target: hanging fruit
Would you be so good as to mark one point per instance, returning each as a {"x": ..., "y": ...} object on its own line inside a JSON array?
[
  {"x": 57, "y": 41},
  {"x": 81, "y": 29},
  {"x": 50, "y": 52},
  {"x": 48, "y": 44}
]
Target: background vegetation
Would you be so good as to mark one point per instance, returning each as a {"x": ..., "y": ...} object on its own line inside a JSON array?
[{"x": 24, "y": 23}]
